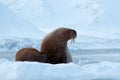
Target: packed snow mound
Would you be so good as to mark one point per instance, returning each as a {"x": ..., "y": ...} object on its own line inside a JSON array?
[{"x": 71, "y": 71}]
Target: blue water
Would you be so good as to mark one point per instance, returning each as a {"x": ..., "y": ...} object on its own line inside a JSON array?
[{"x": 81, "y": 56}]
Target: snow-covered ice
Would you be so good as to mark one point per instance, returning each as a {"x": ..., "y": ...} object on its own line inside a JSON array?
[
  {"x": 13, "y": 25},
  {"x": 87, "y": 65},
  {"x": 95, "y": 18},
  {"x": 71, "y": 71},
  {"x": 96, "y": 22}
]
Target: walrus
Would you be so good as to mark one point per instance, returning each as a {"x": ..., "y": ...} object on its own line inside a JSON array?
[
  {"x": 53, "y": 49},
  {"x": 54, "y": 45},
  {"x": 30, "y": 54}
]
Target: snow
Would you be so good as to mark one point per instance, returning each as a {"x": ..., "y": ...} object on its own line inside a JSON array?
[
  {"x": 51, "y": 14},
  {"x": 71, "y": 71},
  {"x": 14, "y": 44},
  {"x": 24, "y": 23},
  {"x": 13, "y": 25},
  {"x": 89, "y": 18},
  {"x": 95, "y": 18}
]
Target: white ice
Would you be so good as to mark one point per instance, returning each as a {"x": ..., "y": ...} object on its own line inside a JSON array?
[{"x": 71, "y": 71}]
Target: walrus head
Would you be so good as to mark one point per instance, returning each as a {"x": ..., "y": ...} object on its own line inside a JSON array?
[
  {"x": 66, "y": 34},
  {"x": 73, "y": 34},
  {"x": 58, "y": 37}
]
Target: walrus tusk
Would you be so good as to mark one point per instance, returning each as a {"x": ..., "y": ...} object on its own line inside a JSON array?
[{"x": 72, "y": 40}]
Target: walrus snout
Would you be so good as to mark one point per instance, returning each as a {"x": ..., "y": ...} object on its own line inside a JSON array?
[{"x": 74, "y": 34}]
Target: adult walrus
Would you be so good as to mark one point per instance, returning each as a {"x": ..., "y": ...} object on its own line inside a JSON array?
[
  {"x": 53, "y": 48},
  {"x": 54, "y": 45}
]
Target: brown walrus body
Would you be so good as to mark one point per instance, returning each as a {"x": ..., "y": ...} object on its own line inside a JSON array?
[
  {"x": 53, "y": 48},
  {"x": 55, "y": 45}
]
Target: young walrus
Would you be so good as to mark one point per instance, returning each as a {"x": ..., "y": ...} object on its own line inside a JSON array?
[{"x": 30, "y": 54}]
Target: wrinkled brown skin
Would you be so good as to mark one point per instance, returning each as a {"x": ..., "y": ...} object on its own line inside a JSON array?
[
  {"x": 30, "y": 54},
  {"x": 54, "y": 45},
  {"x": 53, "y": 48}
]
